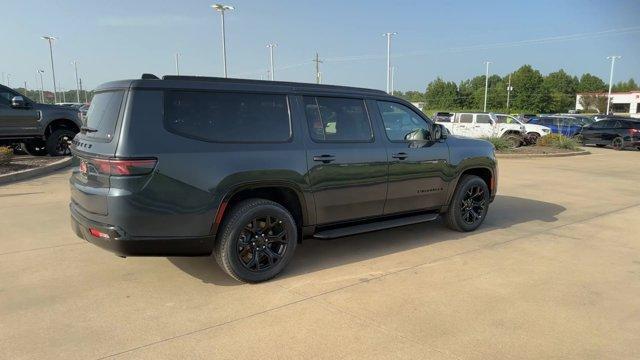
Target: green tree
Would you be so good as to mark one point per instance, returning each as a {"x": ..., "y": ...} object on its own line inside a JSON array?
[
  {"x": 562, "y": 87},
  {"x": 441, "y": 94},
  {"x": 591, "y": 83},
  {"x": 623, "y": 86},
  {"x": 529, "y": 91}
]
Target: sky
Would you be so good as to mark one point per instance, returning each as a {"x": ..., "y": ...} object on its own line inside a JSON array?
[{"x": 119, "y": 39}]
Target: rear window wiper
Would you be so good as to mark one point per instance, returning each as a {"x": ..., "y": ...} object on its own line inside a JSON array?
[{"x": 88, "y": 129}]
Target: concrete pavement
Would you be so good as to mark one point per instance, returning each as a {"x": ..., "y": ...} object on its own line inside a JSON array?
[{"x": 553, "y": 273}]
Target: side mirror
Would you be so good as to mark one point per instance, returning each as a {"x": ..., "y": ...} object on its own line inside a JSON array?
[
  {"x": 438, "y": 132},
  {"x": 18, "y": 102}
]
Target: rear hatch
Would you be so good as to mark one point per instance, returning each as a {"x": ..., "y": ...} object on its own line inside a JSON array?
[{"x": 94, "y": 146}]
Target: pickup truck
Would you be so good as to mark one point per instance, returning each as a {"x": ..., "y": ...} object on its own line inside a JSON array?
[
  {"x": 40, "y": 129},
  {"x": 483, "y": 125}
]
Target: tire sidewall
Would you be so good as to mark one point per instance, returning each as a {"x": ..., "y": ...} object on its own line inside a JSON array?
[
  {"x": 232, "y": 233},
  {"x": 455, "y": 208},
  {"x": 52, "y": 141}
]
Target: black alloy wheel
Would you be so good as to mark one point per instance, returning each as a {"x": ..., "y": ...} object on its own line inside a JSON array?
[
  {"x": 262, "y": 243},
  {"x": 59, "y": 141},
  {"x": 473, "y": 205}
]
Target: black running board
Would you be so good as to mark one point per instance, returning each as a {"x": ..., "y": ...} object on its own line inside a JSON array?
[{"x": 374, "y": 226}]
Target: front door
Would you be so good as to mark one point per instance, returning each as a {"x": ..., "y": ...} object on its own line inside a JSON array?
[
  {"x": 463, "y": 125},
  {"x": 483, "y": 126},
  {"x": 416, "y": 169},
  {"x": 347, "y": 164},
  {"x": 16, "y": 121}
]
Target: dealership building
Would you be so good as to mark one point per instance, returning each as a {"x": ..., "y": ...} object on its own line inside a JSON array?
[{"x": 622, "y": 103}]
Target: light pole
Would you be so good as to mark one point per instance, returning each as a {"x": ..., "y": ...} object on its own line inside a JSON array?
[
  {"x": 389, "y": 35},
  {"x": 50, "y": 39},
  {"x": 486, "y": 84},
  {"x": 318, "y": 62},
  {"x": 40, "y": 71},
  {"x": 271, "y": 46},
  {"x": 221, "y": 9},
  {"x": 509, "y": 89},
  {"x": 177, "y": 64},
  {"x": 75, "y": 67},
  {"x": 393, "y": 76},
  {"x": 8, "y": 80},
  {"x": 613, "y": 61}
]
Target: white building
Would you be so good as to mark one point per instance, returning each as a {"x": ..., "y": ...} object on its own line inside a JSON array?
[{"x": 622, "y": 103}]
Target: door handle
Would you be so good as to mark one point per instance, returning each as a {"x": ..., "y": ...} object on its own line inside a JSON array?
[
  {"x": 400, "y": 156},
  {"x": 324, "y": 158}
]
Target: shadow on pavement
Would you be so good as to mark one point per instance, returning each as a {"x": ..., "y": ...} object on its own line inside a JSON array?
[{"x": 313, "y": 255}]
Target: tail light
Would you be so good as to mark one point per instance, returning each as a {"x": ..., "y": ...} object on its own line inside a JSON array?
[
  {"x": 124, "y": 167},
  {"x": 634, "y": 132}
]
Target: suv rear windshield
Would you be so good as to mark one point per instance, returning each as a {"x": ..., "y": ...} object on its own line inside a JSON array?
[
  {"x": 102, "y": 116},
  {"x": 228, "y": 117}
]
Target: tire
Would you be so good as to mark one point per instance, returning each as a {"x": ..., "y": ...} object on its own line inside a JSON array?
[
  {"x": 532, "y": 138},
  {"x": 513, "y": 140},
  {"x": 601, "y": 145},
  {"x": 617, "y": 143},
  {"x": 578, "y": 138},
  {"x": 34, "y": 148},
  {"x": 458, "y": 214},
  {"x": 238, "y": 247},
  {"x": 58, "y": 142}
]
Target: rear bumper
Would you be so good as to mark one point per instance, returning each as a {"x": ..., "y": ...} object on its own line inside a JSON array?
[{"x": 123, "y": 245}]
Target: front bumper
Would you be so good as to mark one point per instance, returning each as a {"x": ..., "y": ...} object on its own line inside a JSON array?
[{"x": 121, "y": 244}]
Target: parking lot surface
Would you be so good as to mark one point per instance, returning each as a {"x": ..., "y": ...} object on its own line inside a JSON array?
[{"x": 553, "y": 273}]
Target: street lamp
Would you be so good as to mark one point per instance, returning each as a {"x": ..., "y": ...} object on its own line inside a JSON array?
[
  {"x": 486, "y": 84},
  {"x": 271, "y": 46},
  {"x": 50, "y": 39},
  {"x": 393, "y": 76},
  {"x": 389, "y": 35},
  {"x": 75, "y": 67},
  {"x": 221, "y": 9},
  {"x": 613, "y": 61},
  {"x": 177, "y": 64},
  {"x": 40, "y": 71}
]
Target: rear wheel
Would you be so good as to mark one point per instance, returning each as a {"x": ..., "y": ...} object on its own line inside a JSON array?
[
  {"x": 257, "y": 240},
  {"x": 469, "y": 205},
  {"x": 58, "y": 142},
  {"x": 617, "y": 143},
  {"x": 513, "y": 140},
  {"x": 34, "y": 148}
]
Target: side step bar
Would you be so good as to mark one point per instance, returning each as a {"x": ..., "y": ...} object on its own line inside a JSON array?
[{"x": 374, "y": 226}]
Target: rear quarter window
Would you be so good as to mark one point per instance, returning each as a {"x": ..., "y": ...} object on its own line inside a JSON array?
[{"x": 228, "y": 117}]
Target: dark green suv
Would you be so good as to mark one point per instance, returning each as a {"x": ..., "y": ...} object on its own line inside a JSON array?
[{"x": 187, "y": 166}]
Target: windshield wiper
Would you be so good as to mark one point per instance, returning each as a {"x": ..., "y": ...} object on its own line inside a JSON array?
[{"x": 88, "y": 129}]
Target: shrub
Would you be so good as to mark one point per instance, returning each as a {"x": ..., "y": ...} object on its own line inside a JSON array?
[
  {"x": 558, "y": 141},
  {"x": 6, "y": 154},
  {"x": 499, "y": 143}
]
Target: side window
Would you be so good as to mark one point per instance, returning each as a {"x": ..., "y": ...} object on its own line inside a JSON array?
[
  {"x": 400, "y": 120},
  {"x": 337, "y": 119},
  {"x": 228, "y": 117},
  {"x": 598, "y": 124},
  {"x": 483, "y": 119},
  {"x": 466, "y": 118},
  {"x": 5, "y": 98}
]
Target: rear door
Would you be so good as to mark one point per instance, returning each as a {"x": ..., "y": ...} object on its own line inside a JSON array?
[
  {"x": 347, "y": 164},
  {"x": 96, "y": 143},
  {"x": 416, "y": 169},
  {"x": 463, "y": 125}
]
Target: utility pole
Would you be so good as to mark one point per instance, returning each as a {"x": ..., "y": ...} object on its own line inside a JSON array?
[
  {"x": 613, "y": 61},
  {"x": 41, "y": 86},
  {"x": 25, "y": 87},
  {"x": 221, "y": 9},
  {"x": 318, "y": 62},
  {"x": 271, "y": 46},
  {"x": 50, "y": 39},
  {"x": 75, "y": 67},
  {"x": 8, "y": 80},
  {"x": 509, "y": 89},
  {"x": 486, "y": 85},
  {"x": 389, "y": 35},
  {"x": 177, "y": 64}
]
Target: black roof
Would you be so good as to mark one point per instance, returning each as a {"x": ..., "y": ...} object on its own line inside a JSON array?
[{"x": 204, "y": 82}]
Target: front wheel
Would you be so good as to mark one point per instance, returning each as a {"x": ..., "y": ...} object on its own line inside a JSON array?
[
  {"x": 617, "y": 143},
  {"x": 469, "y": 204},
  {"x": 257, "y": 239},
  {"x": 532, "y": 138}
]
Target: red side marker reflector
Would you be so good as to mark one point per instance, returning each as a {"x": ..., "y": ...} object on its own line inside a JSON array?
[
  {"x": 97, "y": 233},
  {"x": 221, "y": 210}
]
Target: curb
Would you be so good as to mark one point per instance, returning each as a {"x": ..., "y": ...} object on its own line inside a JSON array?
[
  {"x": 30, "y": 173},
  {"x": 522, "y": 156}
]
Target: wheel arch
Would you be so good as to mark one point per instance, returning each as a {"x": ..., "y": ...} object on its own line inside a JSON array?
[
  {"x": 487, "y": 174},
  {"x": 287, "y": 194},
  {"x": 60, "y": 123}
]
